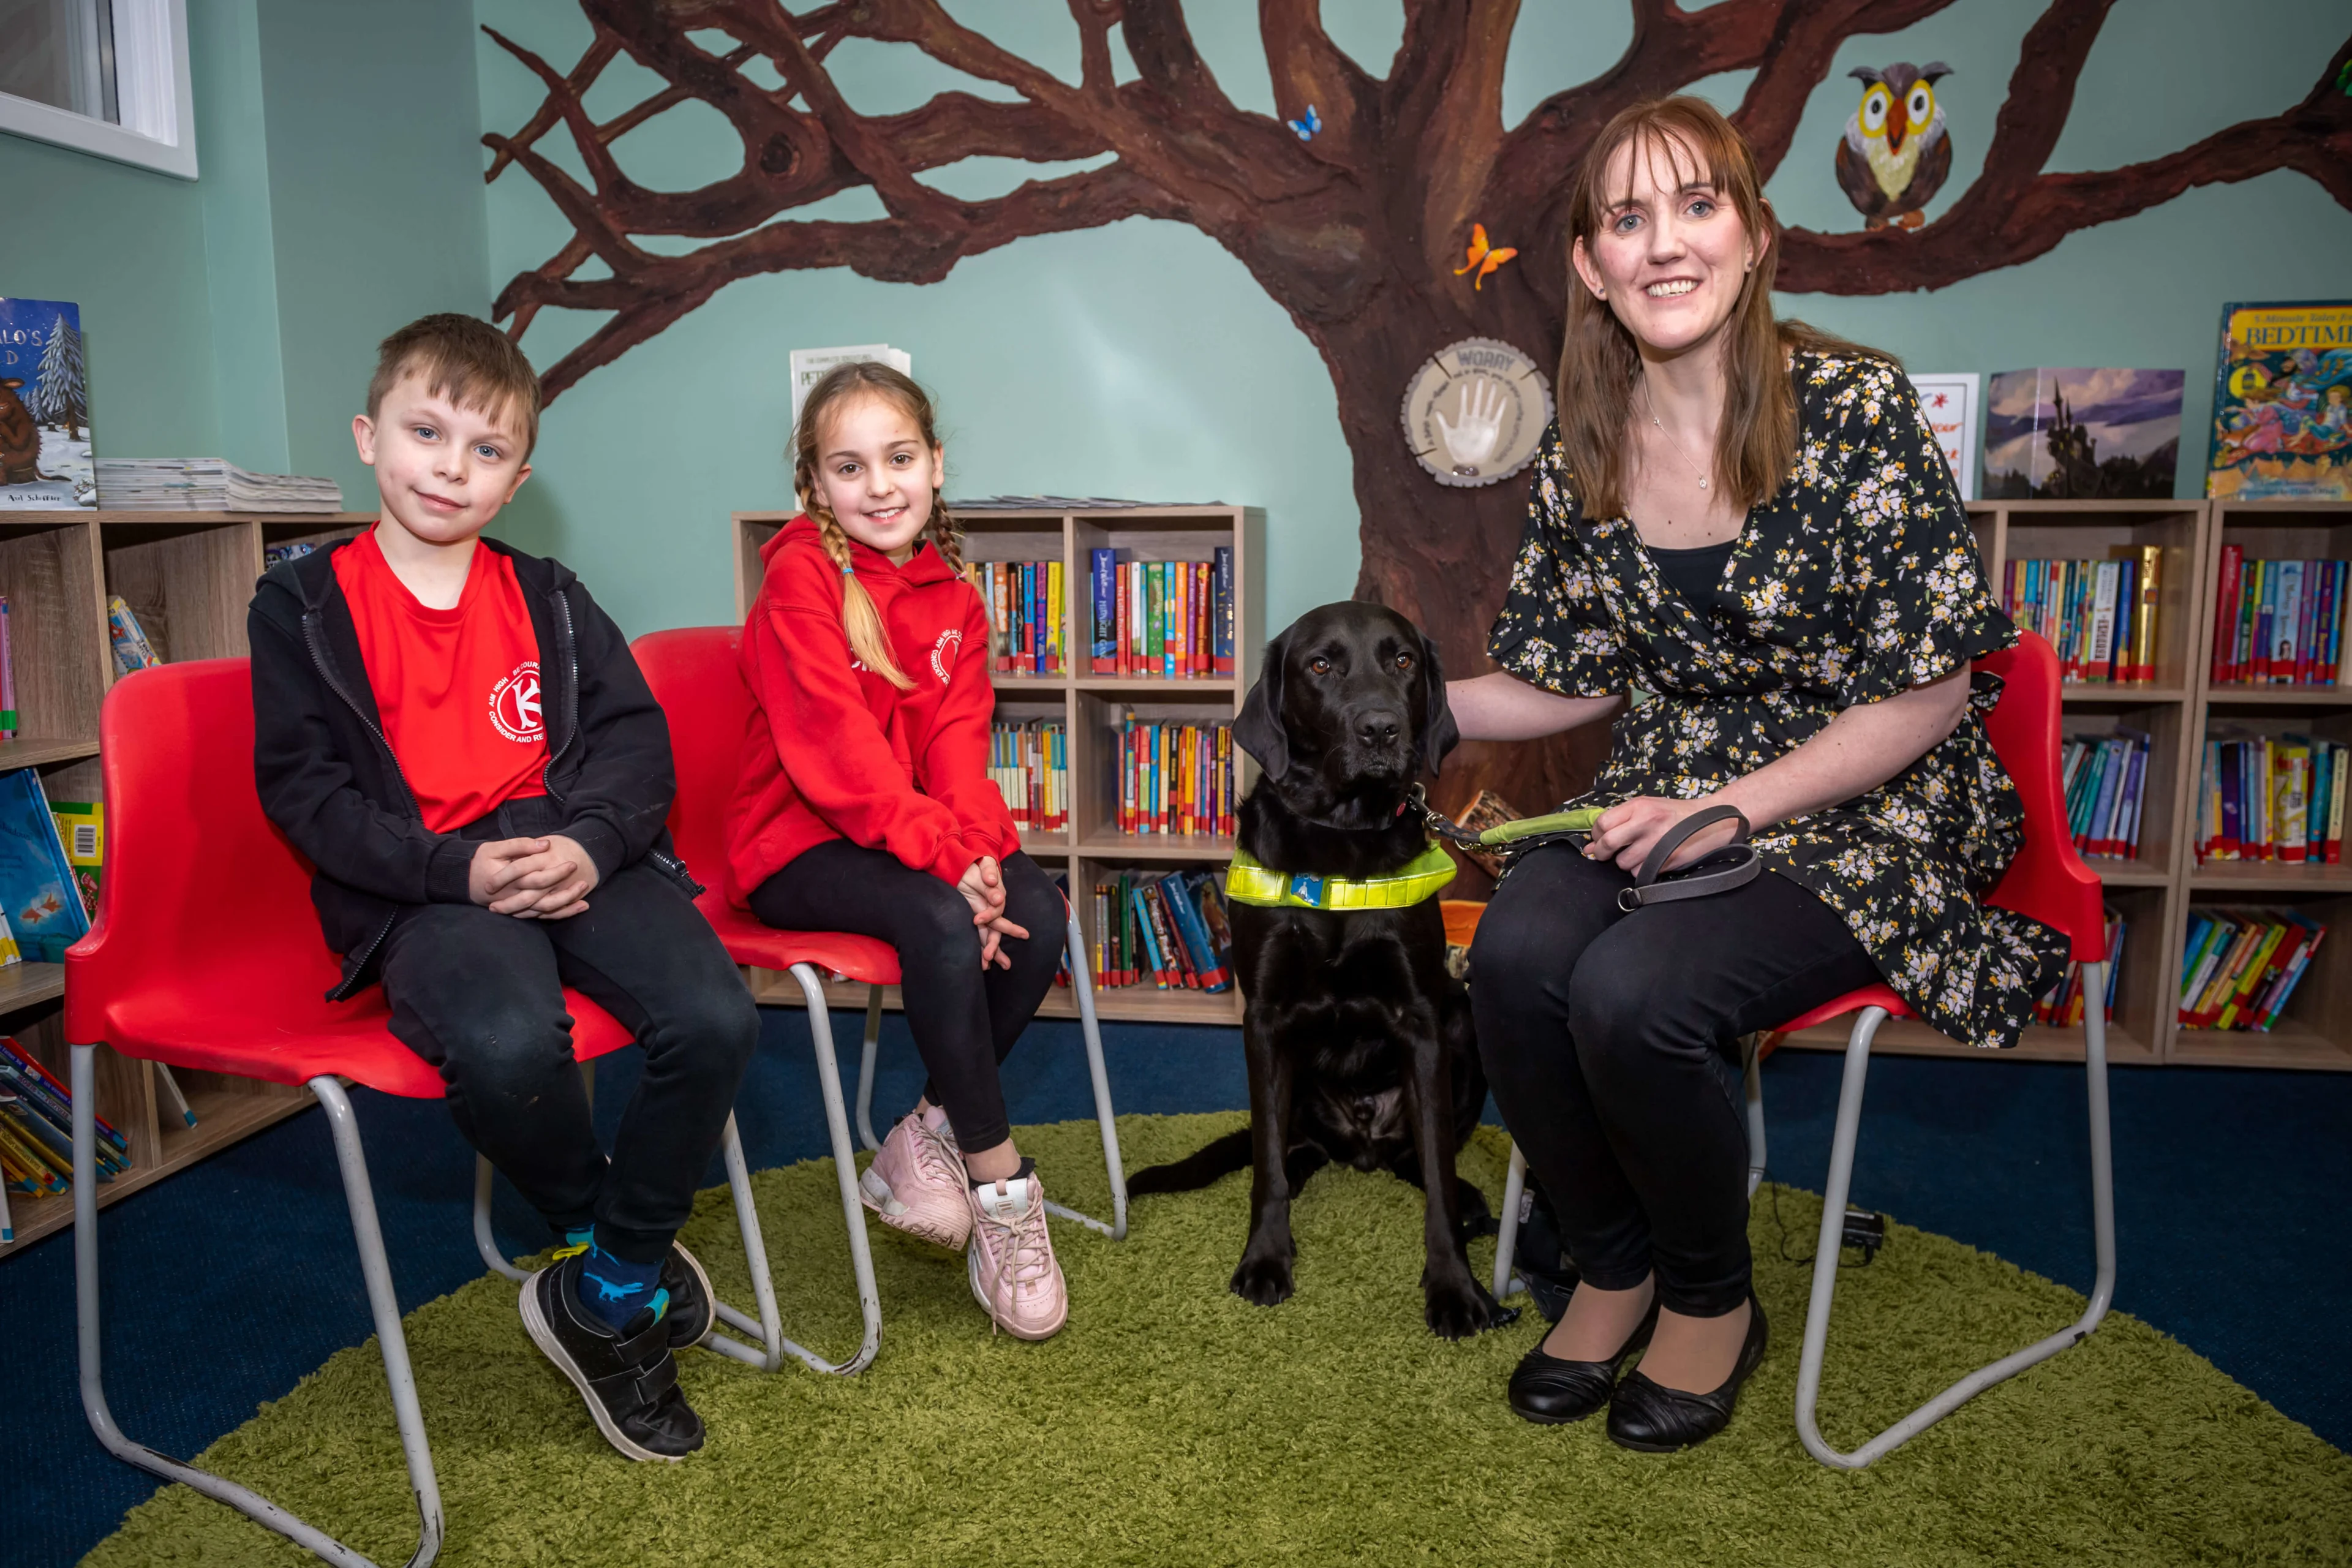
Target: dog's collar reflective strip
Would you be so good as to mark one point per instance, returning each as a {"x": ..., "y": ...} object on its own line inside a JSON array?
[{"x": 1426, "y": 875}]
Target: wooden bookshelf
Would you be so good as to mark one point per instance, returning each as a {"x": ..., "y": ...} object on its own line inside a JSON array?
[
  {"x": 2157, "y": 891},
  {"x": 1091, "y": 708},
  {"x": 188, "y": 576}
]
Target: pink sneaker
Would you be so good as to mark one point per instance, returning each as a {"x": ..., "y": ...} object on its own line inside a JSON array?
[
  {"x": 916, "y": 1182},
  {"x": 1011, "y": 1259}
]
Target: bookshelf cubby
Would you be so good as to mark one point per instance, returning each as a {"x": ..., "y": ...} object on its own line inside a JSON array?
[
  {"x": 2157, "y": 891},
  {"x": 188, "y": 576},
  {"x": 1092, "y": 707}
]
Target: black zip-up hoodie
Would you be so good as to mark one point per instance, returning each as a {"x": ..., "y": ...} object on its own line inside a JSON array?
[{"x": 327, "y": 777}]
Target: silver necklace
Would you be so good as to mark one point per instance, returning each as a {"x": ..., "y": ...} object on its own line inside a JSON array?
[{"x": 1670, "y": 436}]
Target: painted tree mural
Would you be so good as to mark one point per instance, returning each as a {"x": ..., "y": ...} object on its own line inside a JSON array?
[{"x": 1355, "y": 232}]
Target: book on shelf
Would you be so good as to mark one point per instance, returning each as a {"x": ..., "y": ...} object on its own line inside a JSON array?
[
  {"x": 2100, "y": 616},
  {"x": 37, "y": 1123},
  {"x": 7, "y": 675},
  {"x": 1175, "y": 778},
  {"x": 1948, "y": 401},
  {"x": 2063, "y": 1003},
  {"x": 45, "y": 432},
  {"x": 2283, "y": 404},
  {"x": 2069, "y": 434},
  {"x": 1167, "y": 930},
  {"x": 2105, "y": 778},
  {"x": 2240, "y": 966},
  {"x": 1168, "y": 620},
  {"x": 1030, "y": 761},
  {"x": 81, "y": 827},
  {"x": 2278, "y": 622},
  {"x": 37, "y": 881},
  {"x": 209, "y": 484},
  {"x": 1024, "y": 600},
  {"x": 133, "y": 651},
  {"x": 2272, "y": 797}
]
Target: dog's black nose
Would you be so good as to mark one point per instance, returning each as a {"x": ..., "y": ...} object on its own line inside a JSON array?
[{"x": 1379, "y": 726}]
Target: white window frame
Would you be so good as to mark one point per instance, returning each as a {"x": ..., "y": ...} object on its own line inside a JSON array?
[{"x": 152, "y": 86}]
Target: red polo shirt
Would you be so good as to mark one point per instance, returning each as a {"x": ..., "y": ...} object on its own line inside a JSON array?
[{"x": 457, "y": 690}]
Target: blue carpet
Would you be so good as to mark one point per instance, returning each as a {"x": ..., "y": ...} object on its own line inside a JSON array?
[{"x": 225, "y": 1284}]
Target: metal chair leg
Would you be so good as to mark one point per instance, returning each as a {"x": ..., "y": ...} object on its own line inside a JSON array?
[
  {"x": 1082, "y": 982},
  {"x": 871, "y": 1048},
  {"x": 1506, "y": 1238},
  {"x": 1834, "y": 1202},
  {"x": 845, "y": 1170},
  {"x": 383, "y": 1303},
  {"x": 767, "y": 1353}
]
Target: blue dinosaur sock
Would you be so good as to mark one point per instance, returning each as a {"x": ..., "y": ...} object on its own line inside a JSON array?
[{"x": 615, "y": 1291}]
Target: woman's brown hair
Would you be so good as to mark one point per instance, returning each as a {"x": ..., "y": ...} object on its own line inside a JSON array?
[
  {"x": 867, "y": 378},
  {"x": 1598, "y": 360}
]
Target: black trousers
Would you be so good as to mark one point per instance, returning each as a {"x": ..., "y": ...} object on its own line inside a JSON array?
[
  {"x": 1611, "y": 1039},
  {"x": 481, "y": 997},
  {"x": 964, "y": 1019}
]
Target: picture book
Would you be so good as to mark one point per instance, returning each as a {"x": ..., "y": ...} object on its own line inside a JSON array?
[
  {"x": 2082, "y": 435},
  {"x": 82, "y": 825},
  {"x": 44, "y": 453},
  {"x": 2283, "y": 404},
  {"x": 133, "y": 651},
  {"x": 1948, "y": 400},
  {"x": 37, "y": 881}
]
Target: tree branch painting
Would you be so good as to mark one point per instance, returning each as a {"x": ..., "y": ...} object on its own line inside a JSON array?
[{"x": 1353, "y": 232}]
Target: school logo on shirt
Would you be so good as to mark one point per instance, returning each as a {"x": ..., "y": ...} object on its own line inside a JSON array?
[
  {"x": 943, "y": 653},
  {"x": 514, "y": 705}
]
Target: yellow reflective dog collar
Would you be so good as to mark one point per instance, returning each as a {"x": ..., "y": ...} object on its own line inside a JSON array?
[{"x": 1426, "y": 875}]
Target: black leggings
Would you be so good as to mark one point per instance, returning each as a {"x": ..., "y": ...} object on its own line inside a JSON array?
[
  {"x": 964, "y": 1021},
  {"x": 1612, "y": 1042}
]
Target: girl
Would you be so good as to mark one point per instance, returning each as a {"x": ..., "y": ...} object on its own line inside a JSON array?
[{"x": 864, "y": 805}]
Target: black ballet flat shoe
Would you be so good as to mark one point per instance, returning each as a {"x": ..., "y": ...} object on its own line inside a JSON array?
[
  {"x": 1650, "y": 1419},
  {"x": 1551, "y": 1392}
]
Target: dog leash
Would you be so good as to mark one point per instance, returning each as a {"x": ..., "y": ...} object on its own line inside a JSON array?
[{"x": 1718, "y": 872}]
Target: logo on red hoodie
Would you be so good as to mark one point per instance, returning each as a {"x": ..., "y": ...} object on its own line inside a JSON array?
[{"x": 943, "y": 653}]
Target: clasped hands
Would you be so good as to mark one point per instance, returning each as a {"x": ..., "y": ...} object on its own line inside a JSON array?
[
  {"x": 983, "y": 887},
  {"x": 532, "y": 879},
  {"x": 1627, "y": 831}
]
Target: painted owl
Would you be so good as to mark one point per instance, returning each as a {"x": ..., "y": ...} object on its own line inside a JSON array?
[{"x": 1896, "y": 156}]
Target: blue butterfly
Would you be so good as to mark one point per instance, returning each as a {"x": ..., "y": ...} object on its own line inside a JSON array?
[{"x": 1308, "y": 127}]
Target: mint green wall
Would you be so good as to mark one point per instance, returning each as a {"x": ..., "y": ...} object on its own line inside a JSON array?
[{"x": 339, "y": 196}]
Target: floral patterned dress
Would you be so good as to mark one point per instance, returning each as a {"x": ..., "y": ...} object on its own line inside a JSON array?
[{"x": 1858, "y": 580}]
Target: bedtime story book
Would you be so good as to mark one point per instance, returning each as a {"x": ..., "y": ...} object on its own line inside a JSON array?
[{"x": 2283, "y": 404}]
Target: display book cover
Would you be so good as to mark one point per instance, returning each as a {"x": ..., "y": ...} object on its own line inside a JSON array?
[
  {"x": 2082, "y": 434},
  {"x": 2283, "y": 403},
  {"x": 45, "y": 437},
  {"x": 37, "y": 890}
]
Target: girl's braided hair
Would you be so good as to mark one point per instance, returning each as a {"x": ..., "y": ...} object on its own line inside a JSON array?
[{"x": 859, "y": 618}]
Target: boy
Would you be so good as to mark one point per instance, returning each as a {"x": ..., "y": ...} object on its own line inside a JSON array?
[{"x": 460, "y": 742}]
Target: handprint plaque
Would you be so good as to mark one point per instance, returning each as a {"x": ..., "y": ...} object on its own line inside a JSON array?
[{"x": 1475, "y": 411}]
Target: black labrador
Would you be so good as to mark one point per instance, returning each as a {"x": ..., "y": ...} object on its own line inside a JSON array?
[{"x": 1360, "y": 1045}]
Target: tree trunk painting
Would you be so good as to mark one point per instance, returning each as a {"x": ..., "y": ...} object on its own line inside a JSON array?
[{"x": 1354, "y": 231}]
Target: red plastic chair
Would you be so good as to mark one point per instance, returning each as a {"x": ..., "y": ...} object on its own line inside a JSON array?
[
  {"x": 696, "y": 676},
  {"x": 2047, "y": 881},
  {"x": 205, "y": 955}
]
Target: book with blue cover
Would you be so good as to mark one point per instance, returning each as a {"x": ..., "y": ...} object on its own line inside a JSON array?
[
  {"x": 45, "y": 451},
  {"x": 36, "y": 882}
]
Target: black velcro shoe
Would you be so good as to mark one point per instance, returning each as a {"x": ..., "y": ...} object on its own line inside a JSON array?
[
  {"x": 691, "y": 1315},
  {"x": 1650, "y": 1419},
  {"x": 628, "y": 1377},
  {"x": 1551, "y": 1392}
]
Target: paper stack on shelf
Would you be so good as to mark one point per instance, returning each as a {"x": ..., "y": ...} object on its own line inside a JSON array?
[{"x": 207, "y": 484}]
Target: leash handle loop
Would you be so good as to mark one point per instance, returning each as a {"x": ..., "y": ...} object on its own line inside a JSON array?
[{"x": 1718, "y": 871}]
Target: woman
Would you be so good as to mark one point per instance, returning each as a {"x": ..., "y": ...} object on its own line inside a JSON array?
[{"x": 1749, "y": 521}]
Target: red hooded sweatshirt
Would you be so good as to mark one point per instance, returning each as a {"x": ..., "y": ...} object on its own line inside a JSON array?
[{"x": 836, "y": 751}]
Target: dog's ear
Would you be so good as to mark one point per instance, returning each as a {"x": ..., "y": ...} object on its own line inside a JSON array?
[
  {"x": 1258, "y": 729},
  {"x": 1439, "y": 733}
]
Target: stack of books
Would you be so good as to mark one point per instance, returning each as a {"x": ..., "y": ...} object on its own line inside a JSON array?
[
  {"x": 1171, "y": 620},
  {"x": 1030, "y": 761},
  {"x": 2100, "y": 615},
  {"x": 1024, "y": 600},
  {"x": 2272, "y": 797},
  {"x": 2278, "y": 622},
  {"x": 1166, "y": 932},
  {"x": 1175, "y": 778},
  {"x": 37, "y": 1128},
  {"x": 2107, "y": 779},
  {"x": 2064, "y": 1005},
  {"x": 2240, "y": 966},
  {"x": 208, "y": 484}
]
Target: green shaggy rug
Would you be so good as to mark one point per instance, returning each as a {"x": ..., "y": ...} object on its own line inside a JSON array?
[{"x": 1170, "y": 1423}]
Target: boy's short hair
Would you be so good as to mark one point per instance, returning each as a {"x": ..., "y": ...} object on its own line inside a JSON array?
[{"x": 465, "y": 358}]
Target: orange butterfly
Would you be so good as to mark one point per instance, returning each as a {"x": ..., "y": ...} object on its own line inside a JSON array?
[{"x": 1482, "y": 256}]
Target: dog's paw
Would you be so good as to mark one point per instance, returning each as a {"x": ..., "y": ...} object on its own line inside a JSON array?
[
  {"x": 1458, "y": 1309},
  {"x": 1264, "y": 1281}
]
